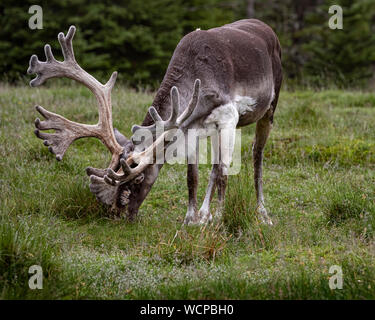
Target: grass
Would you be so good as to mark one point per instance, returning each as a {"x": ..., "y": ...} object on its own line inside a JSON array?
[{"x": 319, "y": 189}]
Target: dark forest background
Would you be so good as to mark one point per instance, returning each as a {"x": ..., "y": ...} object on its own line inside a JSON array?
[{"x": 137, "y": 37}]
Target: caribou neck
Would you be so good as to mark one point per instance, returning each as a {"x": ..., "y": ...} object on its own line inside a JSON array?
[{"x": 175, "y": 75}]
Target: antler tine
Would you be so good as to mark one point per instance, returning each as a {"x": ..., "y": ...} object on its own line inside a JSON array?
[
  {"x": 192, "y": 104},
  {"x": 48, "y": 53},
  {"x": 175, "y": 97},
  {"x": 66, "y": 43},
  {"x": 128, "y": 173},
  {"x": 155, "y": 116},
  {"x": 173, "y": 121},
  {"x": 112, "y": 80},
  {"x": 167, "y": 124}
]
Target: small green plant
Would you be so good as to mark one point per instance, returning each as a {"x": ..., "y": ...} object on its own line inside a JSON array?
[
  {"x": 343, "y": 152},
  {"x": 344, "y": 202},
  {"x": 195, "y": 243},
  {"x": 239, "y": 209},
  {"x": 23, "y": 243}
]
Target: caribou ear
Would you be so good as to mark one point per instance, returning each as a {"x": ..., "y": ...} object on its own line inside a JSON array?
[
  {"x": 125, "y": 143},
  {"x": 121, "y": 139}
]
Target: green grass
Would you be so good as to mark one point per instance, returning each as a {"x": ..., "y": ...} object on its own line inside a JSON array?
[{"x": 319, "y": 183}]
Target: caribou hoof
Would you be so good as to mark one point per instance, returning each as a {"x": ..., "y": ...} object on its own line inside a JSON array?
[
  {"x": 205, "y": 217},
  {"x": 191, "y": 217},
  {"x": 263, "y": 215},
  {"x": 189, "y": 220},
  {"x": 218, "y": 215}
]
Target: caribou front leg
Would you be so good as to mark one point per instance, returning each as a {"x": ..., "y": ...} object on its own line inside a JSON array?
[
  {"x": 192, "y": 182},
  {"x": 227, "y": 141},
  {"x": 221, "y": 182},
  {"x": 204, "y": 213},
  {"x": 223, "y": 146},
  {"x": 263, "y": 129}
]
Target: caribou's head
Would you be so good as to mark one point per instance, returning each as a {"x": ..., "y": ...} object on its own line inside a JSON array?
[
  {"x": 127, "y": 187},
  {"x": 131, "y": 173}
]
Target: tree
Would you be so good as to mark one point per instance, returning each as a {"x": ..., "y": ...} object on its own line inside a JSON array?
[
  {"x": 250, "y": 12},
  {"x": 345, "y": 57},
  {"x": 137, "y": 38}
]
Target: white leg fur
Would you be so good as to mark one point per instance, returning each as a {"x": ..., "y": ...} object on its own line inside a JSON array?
[{"x": 225, "y": 118}]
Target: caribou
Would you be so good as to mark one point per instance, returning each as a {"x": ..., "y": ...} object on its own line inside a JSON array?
[{"x": 218, "y": 79}]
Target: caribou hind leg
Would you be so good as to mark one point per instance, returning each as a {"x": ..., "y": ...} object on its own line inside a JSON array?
[
  {"x": 204, "y": 214},
  {"x": 263, "y": 129}
]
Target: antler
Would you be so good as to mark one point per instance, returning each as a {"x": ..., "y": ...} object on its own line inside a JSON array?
[
  {"x": 67, "y": 131},
  {"x": 173, "y": 121},
  {"x": 145, "y": 158}
]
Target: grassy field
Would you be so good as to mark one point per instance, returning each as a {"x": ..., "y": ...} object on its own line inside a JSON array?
[{"x": 319, "y": 187}]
